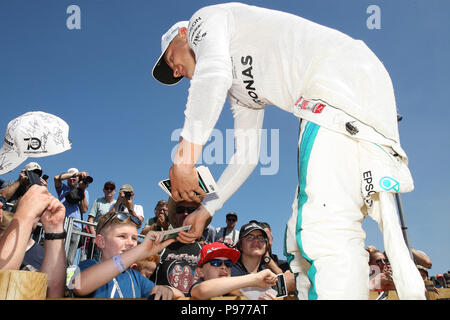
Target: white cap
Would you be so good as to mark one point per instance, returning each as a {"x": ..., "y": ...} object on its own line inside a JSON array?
[
  {"x": 32, "y": 166},
  {"x": 161, "y": 71},
  {"x": 34, "y": 134},
  {"x": 73, "y": 170}
]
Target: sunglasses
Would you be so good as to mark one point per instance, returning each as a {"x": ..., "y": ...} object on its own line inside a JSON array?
[
  {"x": 110, "y": 188},
  {"x": 231, "y": 219},
  {"x": 122, "y": 216},
  {"x": 161, "y": 209},
  {"x": 385, "y": 261},
  {"x": 218, "y": 263},
  {"x": 182, "y": 209},
  {"x": 252, "y": 237}
]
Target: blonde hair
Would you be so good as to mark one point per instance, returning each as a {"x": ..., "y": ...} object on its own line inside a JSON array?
[{"x": 111, "y": 222}]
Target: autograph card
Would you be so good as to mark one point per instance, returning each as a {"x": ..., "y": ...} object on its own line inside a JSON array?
[{"x": 172, "y": 233}]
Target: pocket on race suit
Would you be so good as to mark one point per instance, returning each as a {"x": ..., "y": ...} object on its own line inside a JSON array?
[{"x": 383, "y": 170}]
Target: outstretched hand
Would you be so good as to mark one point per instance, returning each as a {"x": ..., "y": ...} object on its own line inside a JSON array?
[
  {"x": 266, "y": 278},
  {"x": 155, "y": 246}
]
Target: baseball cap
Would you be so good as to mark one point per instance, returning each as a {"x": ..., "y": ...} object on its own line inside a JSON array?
[
  {"x": 161, "y": 70},
  {"x": 72, "y": 170},
  {"x": 109, "y": 184},
  {"x": 231, "y": 214},
  {"x": 216, "y": 250},
  {"x": 249, "y": 227},
  {"x": 32, "y": 166},
  {"x": 126, "y": 188},
  {"x": 34, "y": 134}
]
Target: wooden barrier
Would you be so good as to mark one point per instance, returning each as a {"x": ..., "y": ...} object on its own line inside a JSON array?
[
  {"x": 392, "y": 295},
  {"x": 23, "y": 285}
]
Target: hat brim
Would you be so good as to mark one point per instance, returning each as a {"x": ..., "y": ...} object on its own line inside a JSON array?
[
  {"x": 9, "y": 159},
  {"x": 246, "y": 232},
  {"x": 163, "y": 73},
  {"x": 229, "y": 253}
]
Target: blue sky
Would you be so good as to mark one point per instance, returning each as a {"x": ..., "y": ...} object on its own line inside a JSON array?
[{"x": 98, "y": 79}]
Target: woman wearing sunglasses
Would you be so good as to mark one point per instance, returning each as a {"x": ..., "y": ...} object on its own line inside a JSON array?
[
  {"x": 111, "y": 277},
  {"x": 214, "y": 269}
]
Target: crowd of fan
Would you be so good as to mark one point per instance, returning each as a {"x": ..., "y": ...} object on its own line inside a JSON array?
[{"x": 115, "y": 263}]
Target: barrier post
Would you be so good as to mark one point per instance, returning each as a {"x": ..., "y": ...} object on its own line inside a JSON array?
[{"x": 23, "y": 285}]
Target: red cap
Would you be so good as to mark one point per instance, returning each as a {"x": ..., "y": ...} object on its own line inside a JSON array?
[{"x": 216, "y": 250}]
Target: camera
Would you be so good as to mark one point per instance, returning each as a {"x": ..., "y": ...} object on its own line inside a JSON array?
[
  {"x": 87, "y": 180},
  {"x": 127, "y": 195}
]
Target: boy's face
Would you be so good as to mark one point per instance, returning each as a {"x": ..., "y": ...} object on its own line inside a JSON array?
[
  {"x": 208, "y": 271},
  {"x": 116, "y": 239}
]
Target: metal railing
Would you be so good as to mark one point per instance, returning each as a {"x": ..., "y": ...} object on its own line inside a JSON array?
[{"x": 38, "y": 236}]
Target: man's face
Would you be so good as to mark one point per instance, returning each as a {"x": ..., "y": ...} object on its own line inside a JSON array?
[
  {"x": 161, "y": 211},
  {"x": 109, "y": 191},
  {"x": 179, "y": 56},
  {"x": 73, "y": 182},
  {"x": 183, "y": 209},
  {"x": 231, "y": 221},
  {"x": 208, "y": 271}
]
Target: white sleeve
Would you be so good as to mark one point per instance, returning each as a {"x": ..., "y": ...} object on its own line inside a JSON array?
[
  {"x": 247, "y": 133},
  {"x": 209, "y": 34}
]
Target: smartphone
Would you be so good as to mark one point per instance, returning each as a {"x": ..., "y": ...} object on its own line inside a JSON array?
[
  {"x": 280, "y": 286},
  {"x": 33, "y": 178}
]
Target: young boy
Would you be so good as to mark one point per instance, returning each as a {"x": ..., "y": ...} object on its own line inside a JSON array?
[
  {"x": 111, "y": 277},
  {"x": 214, "y": 268}
]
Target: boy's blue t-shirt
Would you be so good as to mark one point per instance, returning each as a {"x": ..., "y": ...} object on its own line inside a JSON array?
[{"x": 142, "y": 286}]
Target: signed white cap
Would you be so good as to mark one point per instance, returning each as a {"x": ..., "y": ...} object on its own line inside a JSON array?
[{"x": 34, "y": 134}]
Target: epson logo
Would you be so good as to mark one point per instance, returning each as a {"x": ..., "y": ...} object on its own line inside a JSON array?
[{"x": 369, "y": 187}]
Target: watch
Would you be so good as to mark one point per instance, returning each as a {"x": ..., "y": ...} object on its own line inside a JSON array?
[
  {"x": 267, "y": 259},
  {"x": 55, "y": 236}
]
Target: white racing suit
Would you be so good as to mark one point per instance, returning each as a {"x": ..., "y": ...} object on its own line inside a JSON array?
[{"x": 344, "y": 96}]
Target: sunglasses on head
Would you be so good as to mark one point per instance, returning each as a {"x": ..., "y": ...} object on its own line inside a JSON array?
[
  {"x": 218, "y": 263},
  {"x": 122, "y": 216},
  {"x": 182, "y": 209}
]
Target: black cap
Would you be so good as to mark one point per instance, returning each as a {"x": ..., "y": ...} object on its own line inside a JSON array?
[
  {"x": 231, "y": 214},
  {"x": 249, "y": 227}
]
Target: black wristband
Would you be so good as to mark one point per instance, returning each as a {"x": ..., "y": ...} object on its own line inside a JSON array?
[{"x": 55, "y": 236}]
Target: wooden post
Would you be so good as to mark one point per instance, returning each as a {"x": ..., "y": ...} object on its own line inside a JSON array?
[
  {"x": 430, "y": 293},
  {"x": 23, "y": 285}
]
